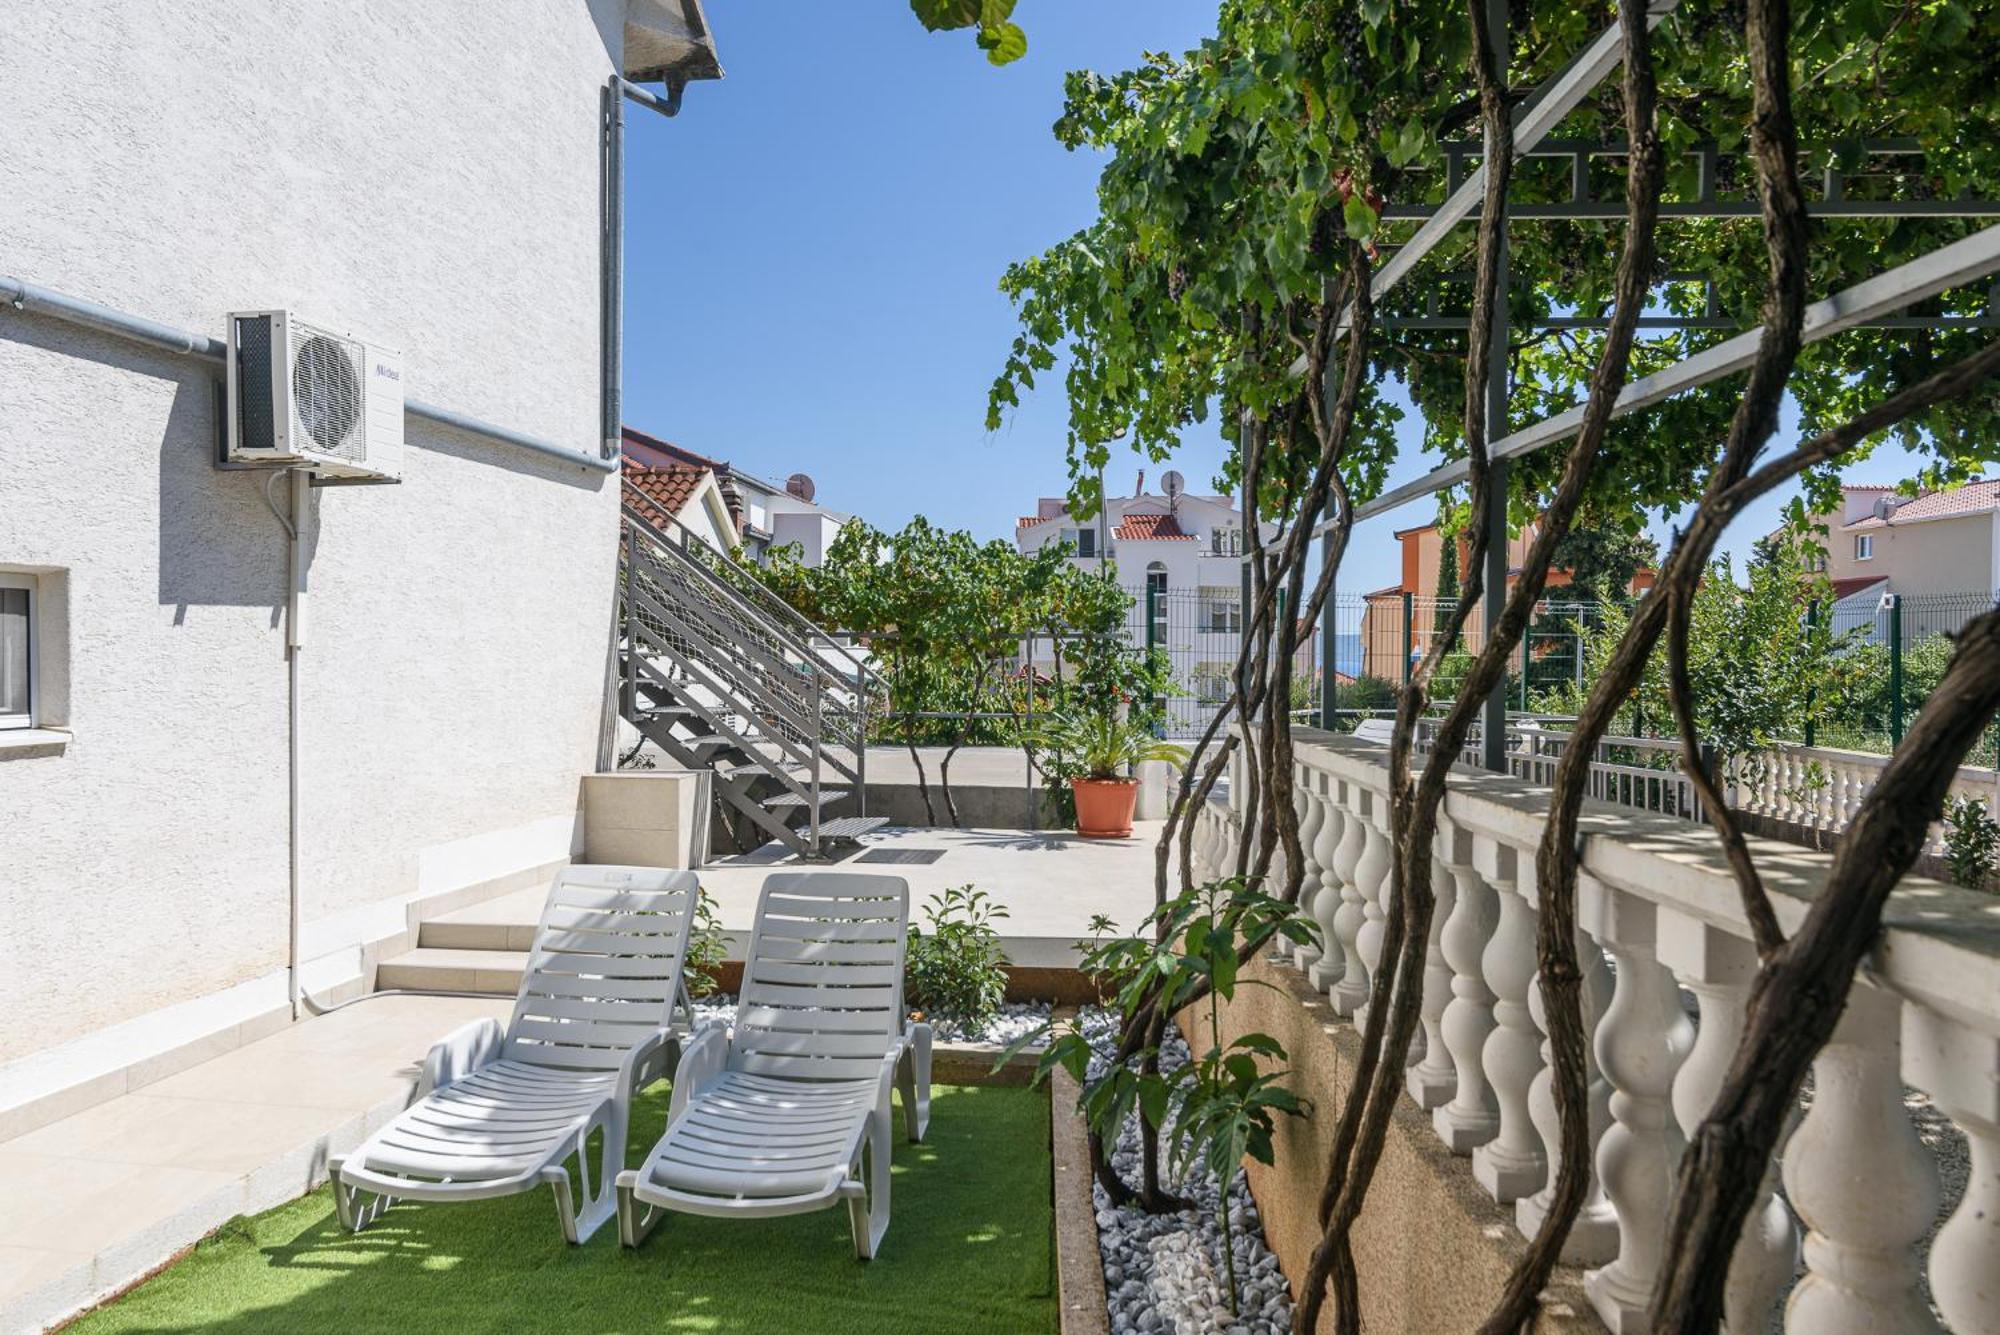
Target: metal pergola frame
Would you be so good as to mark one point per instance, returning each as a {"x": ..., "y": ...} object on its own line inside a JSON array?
[{"x": 1872, "y": 303}]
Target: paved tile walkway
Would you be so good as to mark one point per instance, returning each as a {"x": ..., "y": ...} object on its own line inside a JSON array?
[{"x": 92, "y": 1202}]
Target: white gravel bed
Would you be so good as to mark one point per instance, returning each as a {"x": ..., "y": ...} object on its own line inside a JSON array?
[
  {"x": 1015, "y": 1019},
  {"x": 1166, "y": 1273}
]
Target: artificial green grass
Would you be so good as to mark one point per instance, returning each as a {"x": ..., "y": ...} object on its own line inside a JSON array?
[{"x": 969, "y": 1249}]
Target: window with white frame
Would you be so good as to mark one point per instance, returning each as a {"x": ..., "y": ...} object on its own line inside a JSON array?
[
  {"x": 1221, "y": 611},
  {"x": 1086, "y": 542},
  {"x": 1864, "y": 546},
  {"x": 17, "y": 651}
]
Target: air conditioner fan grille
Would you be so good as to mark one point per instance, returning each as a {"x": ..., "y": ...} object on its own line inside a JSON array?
[{"x": 327, "y": 392}]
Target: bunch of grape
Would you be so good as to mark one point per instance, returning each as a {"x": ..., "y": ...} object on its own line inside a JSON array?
[{"x": 1350, "y": 31}]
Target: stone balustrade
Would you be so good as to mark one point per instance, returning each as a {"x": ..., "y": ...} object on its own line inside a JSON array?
[
  {"x": 1820, "y": 788},
  {"x": 1668, "y": 968}
]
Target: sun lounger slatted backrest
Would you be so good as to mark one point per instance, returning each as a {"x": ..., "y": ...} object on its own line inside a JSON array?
[
  {"x": 822, "y": 995},
  {"x": 605, "y": 968}
]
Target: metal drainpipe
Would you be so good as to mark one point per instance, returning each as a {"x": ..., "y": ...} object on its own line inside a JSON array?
[
  {"x": 611, "y": 266},
  {"x": 32, "y": 299},
  {"x": 295, "y": 599}
]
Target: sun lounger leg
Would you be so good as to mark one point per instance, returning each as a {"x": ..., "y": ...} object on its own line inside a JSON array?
[
  {"x": 355, "y": 1208},
  {"x": 869, "y": 1214},
  {"x": 598, "y": 1200},
  {"x": 636, "y": 1218},
  {"x": 913, "y": 1078}
]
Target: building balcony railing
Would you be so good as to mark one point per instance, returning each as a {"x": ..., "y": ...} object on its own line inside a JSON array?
[{"x": 1662, "y": 923}]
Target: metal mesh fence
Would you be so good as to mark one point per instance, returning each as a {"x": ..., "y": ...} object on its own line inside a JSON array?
[
  {"x": 1890, "y": 652},
  {"x": 1889, "y": 655},
  {"x": 1378, "y": 639}
]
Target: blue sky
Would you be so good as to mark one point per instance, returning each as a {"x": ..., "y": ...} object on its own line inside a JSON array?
[{"x": 814, "y": 245}]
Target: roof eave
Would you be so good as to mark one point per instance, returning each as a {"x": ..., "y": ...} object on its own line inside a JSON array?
[{"x": 669, "y": 42}]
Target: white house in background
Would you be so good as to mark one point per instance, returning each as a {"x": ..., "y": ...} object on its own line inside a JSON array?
[
  {"x": 429, "y": 175},
  {"x": 766, "y": 515},
  {"x": 1939, "y": 550},
  {"x": 1187, "y": 549}
]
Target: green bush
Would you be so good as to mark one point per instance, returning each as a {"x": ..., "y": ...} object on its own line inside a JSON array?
[
  {"x": 708, "y": 947},
  {"x": 1971, "y": 839},
  {"x": 957, "y": 974}
]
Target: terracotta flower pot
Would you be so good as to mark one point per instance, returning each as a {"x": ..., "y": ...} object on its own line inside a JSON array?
[{"x": 1104, "y": 807}]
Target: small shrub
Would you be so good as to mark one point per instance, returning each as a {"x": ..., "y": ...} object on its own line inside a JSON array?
[
  {"x": 1971, "y": 840},
  {"x": 957, "y": 973},
  {"x": 707, "y": 949}
]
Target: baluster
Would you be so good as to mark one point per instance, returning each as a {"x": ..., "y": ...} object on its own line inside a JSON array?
[
  {"x": 1472, "y": 1116},
  {"x": 1431, "y": 1079},
  {"x": 1593, "y": 1237},
  {"x": 1641, "y": 1042},
  {"x": 1956, "y": 1065},
  {"x": 1346, "y": 912},
  {"x": 1372, "y": 879},
  {"x": 1221, "y": 843},
  {"x": 1312, "y": 815},
  {"x": 1328, "y": 963},
  {"x": 1862, "y": 1182},
  {"x": 1351, "y": 988},
  {"x": 1204, "y": 855},
  {"x": 1718, "y": 969},
  {"x": 1859, "y": 781},
  {"x": 1510, "y": 1165}
]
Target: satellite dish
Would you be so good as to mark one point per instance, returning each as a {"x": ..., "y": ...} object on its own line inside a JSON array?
[
  {"x": 1173, "y": 484},
  {"x": 799, "y": 485}
]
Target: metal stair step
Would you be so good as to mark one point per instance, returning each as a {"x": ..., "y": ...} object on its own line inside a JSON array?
[
  {"x": 752, "y": 767},
  {"x": 850, "y": 827},
  {"x": 791, "y": 799}
]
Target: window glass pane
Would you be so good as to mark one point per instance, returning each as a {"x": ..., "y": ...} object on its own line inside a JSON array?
[{"x": 13, "y": 651}]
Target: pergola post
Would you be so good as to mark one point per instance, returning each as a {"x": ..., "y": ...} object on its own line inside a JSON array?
[{"x": 1493, "y": 749}]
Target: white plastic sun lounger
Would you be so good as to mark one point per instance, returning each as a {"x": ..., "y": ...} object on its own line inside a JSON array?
[
  {"x": 499, "y": 1112},
  {"x": 780, "y": 1114}
]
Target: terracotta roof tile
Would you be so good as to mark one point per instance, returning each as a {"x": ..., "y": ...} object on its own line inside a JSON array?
[
  {"x": 668, "y": 489},
  {"x": 1973, "y": 498},
  {"x": 1142, "y": 528},
  {"x": 1029, "y": 521}
]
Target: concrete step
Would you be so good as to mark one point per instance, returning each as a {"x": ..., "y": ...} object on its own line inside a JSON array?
[{"x": 447, "y": 970}]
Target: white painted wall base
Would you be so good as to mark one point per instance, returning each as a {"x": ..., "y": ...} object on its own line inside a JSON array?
[{"x": 340, "y": 955}]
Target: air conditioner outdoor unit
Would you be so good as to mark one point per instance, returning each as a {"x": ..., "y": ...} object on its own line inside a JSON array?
[{"x": 303, "y": 395}]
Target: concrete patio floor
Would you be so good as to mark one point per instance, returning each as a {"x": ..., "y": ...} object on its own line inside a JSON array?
[{"x": 1050, "y": 882}]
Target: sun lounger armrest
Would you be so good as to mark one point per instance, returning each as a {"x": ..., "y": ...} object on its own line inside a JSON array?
[
  {"x": 646, "y": 1062},
  {"x": 701, "y": 1064},
  {"x": 461, "y": 1052}
]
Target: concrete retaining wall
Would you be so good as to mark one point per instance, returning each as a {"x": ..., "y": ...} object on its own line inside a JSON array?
[{"x": 1432, "y": 1249}]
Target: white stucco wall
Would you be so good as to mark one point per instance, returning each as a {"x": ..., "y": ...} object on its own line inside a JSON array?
[
  {"x": 424, "y": 174},
  {"x": 1925, "y": 557}
]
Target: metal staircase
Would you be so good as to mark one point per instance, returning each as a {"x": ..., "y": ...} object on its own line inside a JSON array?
[{"x": 723, "y": 675}]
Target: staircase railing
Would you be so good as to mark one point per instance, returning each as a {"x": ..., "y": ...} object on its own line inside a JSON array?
[{"x": 795, "y": 698}]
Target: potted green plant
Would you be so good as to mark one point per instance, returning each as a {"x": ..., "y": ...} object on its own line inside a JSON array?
[{"x": 1093, "y": 751}]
